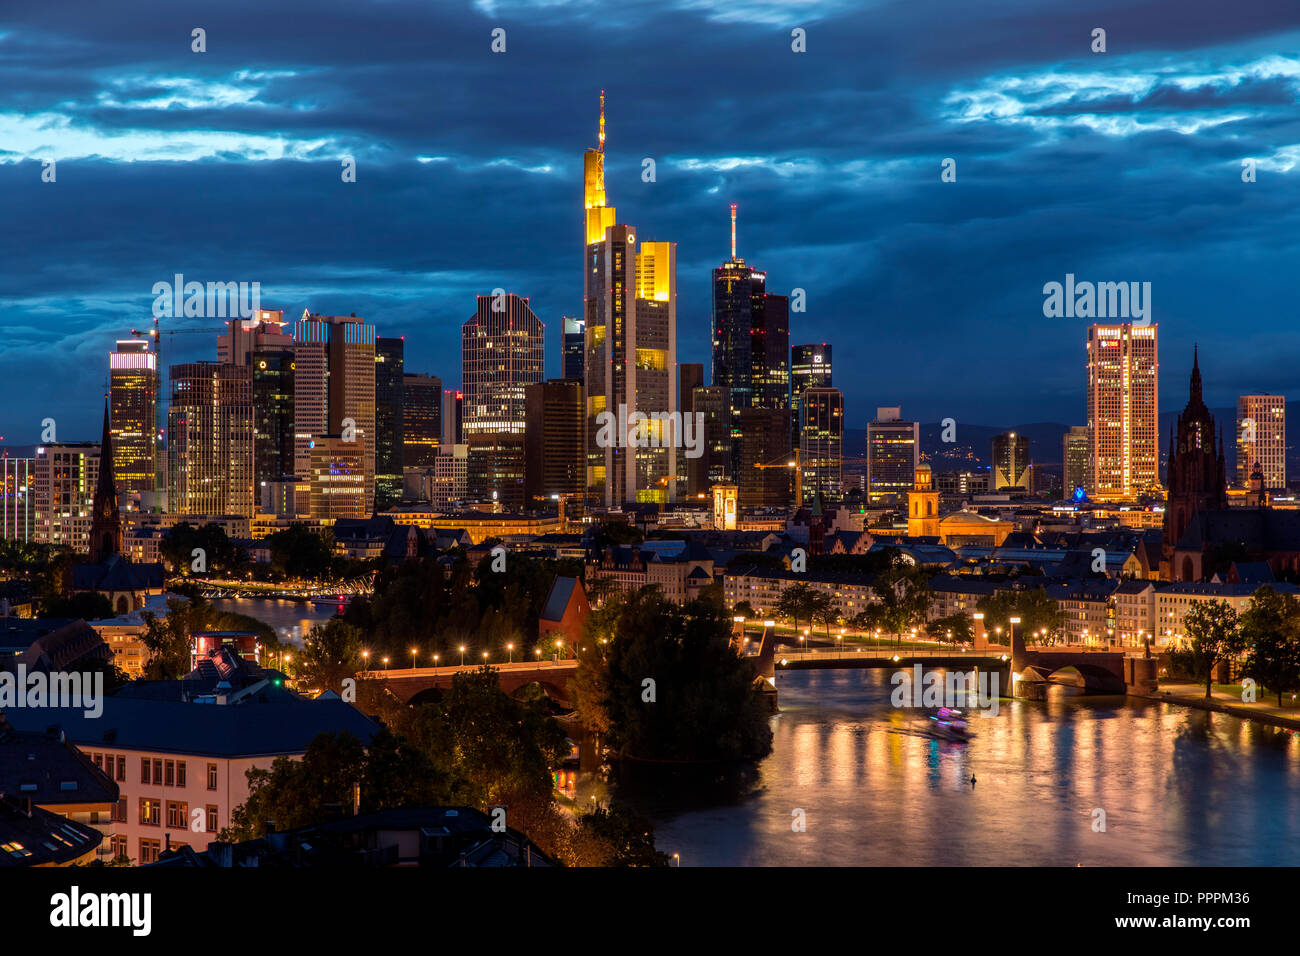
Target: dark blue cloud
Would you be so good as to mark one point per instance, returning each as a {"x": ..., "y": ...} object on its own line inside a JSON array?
[{"x": 225, "y": 166}]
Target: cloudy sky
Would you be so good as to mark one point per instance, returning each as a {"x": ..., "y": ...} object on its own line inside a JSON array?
[{"x": 225, "y": 166}]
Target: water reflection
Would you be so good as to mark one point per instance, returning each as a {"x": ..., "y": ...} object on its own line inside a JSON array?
[{"x": 1178, "y": 786}]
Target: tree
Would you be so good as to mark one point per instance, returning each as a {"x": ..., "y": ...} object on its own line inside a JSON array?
[
  {"x": 219, "y": 553},
  {"x": 616, "y": 837},
  {"x": 86, "y": 605},
  {"x": 957, "y": 628},
  {"x": 824, "y": 611},
  {"x": 903, "y": 598},
  {"x": 744, "y": 609},
  {"x": 1037, "y": 610},
  {"x": 1270, "y": 631},
  {"x": 302, "y": 552},
  {"x": 797, "y": 601},
  {"x": 1214, "y": 635},
  {"x": 663, "y": 682},
  {"x": 330, "y": 653}
]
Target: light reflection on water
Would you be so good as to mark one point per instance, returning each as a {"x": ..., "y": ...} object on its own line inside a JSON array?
[
  {"x": 282, "y": 615},
  {"x": 1178, "y": 786}
]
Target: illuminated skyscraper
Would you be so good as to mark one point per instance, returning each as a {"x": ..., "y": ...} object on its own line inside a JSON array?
[
  {"x": 631, "y": 360},
  {"x": 210, "y": 440},
  {"x": 66, "y": 475},
  {"x": 1076, "y": 473},
  {"x": 821, "y": 443},
  {"x": 1261, "y": 439},
  {"x": 133, "y": 396},
  {"x": 751, "y": 339},
  {"x": 453, "y": 418},
  {"x": 502, "y": 352},
  {"x": 264, "y": 344},
  {"x": 575, "y": 347},
  {"x": 810, "y": 367},
  {"x": 334, "y": 390},
  {"x": 422, "y": 424},
  {"x": 1123, "y": 398},
  {"x": 389, "y": 362},
  {"x": 893, "y": 452},
  {"x": 17, "y": 497},
  {"x": 1010, "y": 454}
]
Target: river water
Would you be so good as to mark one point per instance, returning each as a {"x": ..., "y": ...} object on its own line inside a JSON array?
[
  {"x": 1177, "y": 786},
  {"x": 292, "y": 620}
]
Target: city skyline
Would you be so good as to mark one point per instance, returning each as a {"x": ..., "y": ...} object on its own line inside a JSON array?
[{"x": 1148, "y": 137}]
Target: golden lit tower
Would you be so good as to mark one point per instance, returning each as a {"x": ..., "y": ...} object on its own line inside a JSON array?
[{"x": 599, "y": 216}]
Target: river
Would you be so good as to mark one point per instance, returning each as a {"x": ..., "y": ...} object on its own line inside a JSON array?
[
  {"x": 1177, "y": 786},
  {"x": 284, "y": 616}
]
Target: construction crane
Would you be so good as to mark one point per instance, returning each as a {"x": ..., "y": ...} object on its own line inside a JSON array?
[{"x": 795, "y": 460}]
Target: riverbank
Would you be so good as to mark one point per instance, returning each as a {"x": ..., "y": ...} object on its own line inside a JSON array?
[{"x": 1193, "y": 695}]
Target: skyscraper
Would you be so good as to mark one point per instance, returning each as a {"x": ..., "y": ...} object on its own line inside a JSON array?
[
  {"x": 453, "y": 418},
  {"x": 575, "y": 347},
  {"x": 1261, "y": 439},
  {"x": 1076, "y": 473},
  {"x": 810, "y": 367},
  {"x": 555, "y": 459},
  {"x": 631, "y": 361},
  {"x": 714, "y": 466},
  {"x": 766, "y": 478},
  {"x": 893, "y": 452},
  {"x": 17, "y": 498},
  {"x": 502, "y": 352},
  {"x": 334, "y": 389},
  {"x": 210, "y": 440},
  {"x": 133, "y": 396},
  {"x": 1123, "y": 397},
  {"x": 821, "y": 443},
  {"x": 265, "y": 345},
  {"x": 64, "y": 494},
  {"x": 389, "y": 361},
  {"x": 751, "y": 338},
  {"x": 422, "y": 422},
  {"x": 1010, "y": 457}
]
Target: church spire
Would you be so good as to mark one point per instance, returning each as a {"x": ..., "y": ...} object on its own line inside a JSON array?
[
  {"x": 105, "y": 521},
  {"x": 1196, "y": 374}
]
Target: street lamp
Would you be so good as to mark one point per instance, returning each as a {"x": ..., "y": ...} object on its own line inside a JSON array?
[
  {"x": 510, "y": 649},
  {"x": 435, "y": 660},
  {"x": 413, "y": 650},
  {"x": 385, "y": 663},
  {"x": 462, "y": 655}
]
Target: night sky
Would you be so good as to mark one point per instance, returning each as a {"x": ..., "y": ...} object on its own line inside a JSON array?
[{"x": 225, "y": 166}]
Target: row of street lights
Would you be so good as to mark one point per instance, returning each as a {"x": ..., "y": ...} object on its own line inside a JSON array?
[{"x": 510, "y": 655}]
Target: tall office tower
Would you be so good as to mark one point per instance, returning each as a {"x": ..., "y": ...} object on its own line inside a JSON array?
[
  {"x": 422, "y": 419},
  {"x": 502, "y": 351},
  {"x": 1261, "y": 439},
  {"x": 1076, "y": 472},
  {"x": 555, "y": 452},
  {"x": 453, "y": 418},
  {"x": 821, "y": 443},
  {"x": 264, "y": 344},
  {"x": 766, "y": 476},
  {"x": 496, "y": 471},
  {"x": 810, "y": 367},
  {"x": 1123, "y": 398},
  {"x": 337, "y": 483},
  {"x": 17, "y": 498},
  {"x": 1010, "y": 457},
  {"x": 575, "y": 347},
  {"x": 713, "y": 466},
  {"x": 264, "y": 331},
  {"x": 893, "y": 452},
  {"x": 334, "y": 389},
  {"x": 751, "y": 339},
  {"x": 65, "y": 493},
  {"x": 272, "y": 370},
  {"x": 133, "y": 416},
  {"x": 690, "y": 376},
  {"x": 389, "y": 398},
  {"x": 630, "y": 296},
  {"x": 210, "y": 440}
]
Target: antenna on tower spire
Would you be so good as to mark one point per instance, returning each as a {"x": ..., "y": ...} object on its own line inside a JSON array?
[
  {"x": 733, "y": 230},
  {"x": 602, "y": 121}
]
